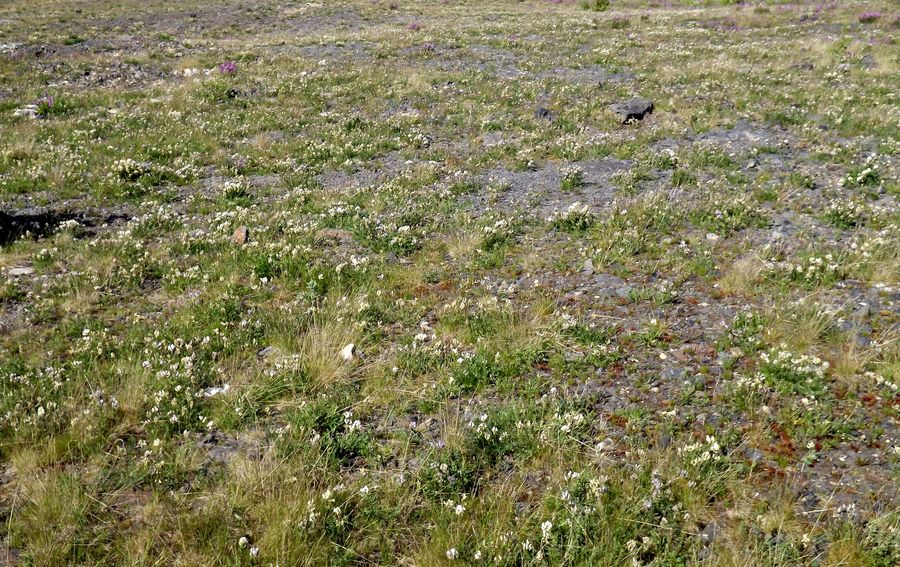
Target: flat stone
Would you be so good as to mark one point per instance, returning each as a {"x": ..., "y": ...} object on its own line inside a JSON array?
[
  {"x": 672, "y": 373},
  {"x": 16, "y": 271},
  {"x": 625, "y": 291}
]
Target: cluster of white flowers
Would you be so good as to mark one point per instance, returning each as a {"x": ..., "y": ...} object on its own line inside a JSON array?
[
  {"x": 702, "y": 452},
  {"x": 458, "y": 508},
  {"x": 45, "y": 255},
  {"x": 358, "y": 264},
  {"x": 576, "y": 217},
  {"x": 814, "y": 269},
  {"x": 501, "y": 228},
  {"x": 573, "y": 178},
  {"x": 128, "y": 169},
  {"x": 868, "y": 174},
  {"x": 351, "y": 424},
  {"x": 874, "y": 245},
  {"x": 781, "y": 359},
  {"x": 39, "y": 392},
  {"x": 749, "y": 384},
  {"x": 70, "y": 225},
  {"x": 569, "y": 422},
  {"x": 846, "y": 213},
  {"x": 881, "y": 382},
  {"x": 481, "y": 427},
  {"x": 341, "y": 210},
  {"x": 400, "y": 238},
  {"x": 233, "y": 187}
]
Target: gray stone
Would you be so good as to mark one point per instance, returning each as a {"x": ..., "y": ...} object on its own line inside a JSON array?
[
  {"x": 709, "y": 533},
  {"x": 16, "y": 271},
  {"x": 673, "y": 373},
  {"x": 588, "y": 267},
  {"x": 632, "y": 110},
  {"x": 753, "y": 455},
  {"x": 624, "y": 292}
]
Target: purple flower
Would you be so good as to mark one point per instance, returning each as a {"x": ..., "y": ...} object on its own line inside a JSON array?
[
  {"x": 869, "y": 17},
  {"x": 46, "y": 100},
  {"x": 428, "y": 46},
  {"x": 228, "y": 68},
  {"x": 44, "y": 105},
  {"x": 414, "y": 26}
]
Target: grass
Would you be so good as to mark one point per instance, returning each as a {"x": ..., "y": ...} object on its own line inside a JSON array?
[{"x": 574, "y": 342}]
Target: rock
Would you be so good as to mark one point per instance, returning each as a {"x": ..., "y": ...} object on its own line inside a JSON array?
[
  {"x": 348, "y": 351},
  {"x": 338, "y": 234},
  {"x": 631, "y": 110},
  {"x": 753, "y": 455},
  {"x": 543, "y": 113},
  {"x": 215, "y": 390},
  {"x": 709, "y": 533},
  {"x": 862, "y": 312},
  {"x": 268, "y": 352},
  {"x": 845, "y": 326},
  {"x": 673, "y": 373},
  {"x": 625, "y": 291},
  {"x": 17, "y": 271},
  {"x": 27, "y": 111},
  {"x": 241, "y": 235},
  {"x": 809, "y": 499},
  {"x": 588, "y": 267},
  {"x": 219, "y": 446}
]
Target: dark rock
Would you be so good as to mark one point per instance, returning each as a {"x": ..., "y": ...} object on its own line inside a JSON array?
[
  {"x": 543, "y": 113},
  {"x": 809, "y": 499},
  {"x": 709, "y": 533},
  {"x": 631, "y": 110}
]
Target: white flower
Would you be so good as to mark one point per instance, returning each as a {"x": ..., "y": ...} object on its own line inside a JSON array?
[
  {"x": 545, "y": 530},
  {"x": 452, "y": 553}
]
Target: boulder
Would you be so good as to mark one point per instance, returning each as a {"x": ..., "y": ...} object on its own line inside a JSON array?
[{"x": 632, "y": 110}]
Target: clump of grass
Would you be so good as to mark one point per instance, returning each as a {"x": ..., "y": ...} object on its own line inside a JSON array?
[
  {"x": 573, "y": 179},
  {"x": 595, "y": 5},
  {"x": 869, "y": 17}
]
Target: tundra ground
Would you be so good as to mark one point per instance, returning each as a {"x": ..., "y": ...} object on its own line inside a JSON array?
[{"x": 368, "y": 282}]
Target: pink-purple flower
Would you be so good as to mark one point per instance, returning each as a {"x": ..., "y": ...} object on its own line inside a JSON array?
[
  {"x": 869, "y": 17},
  {"x": 228, "y": 68}
]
